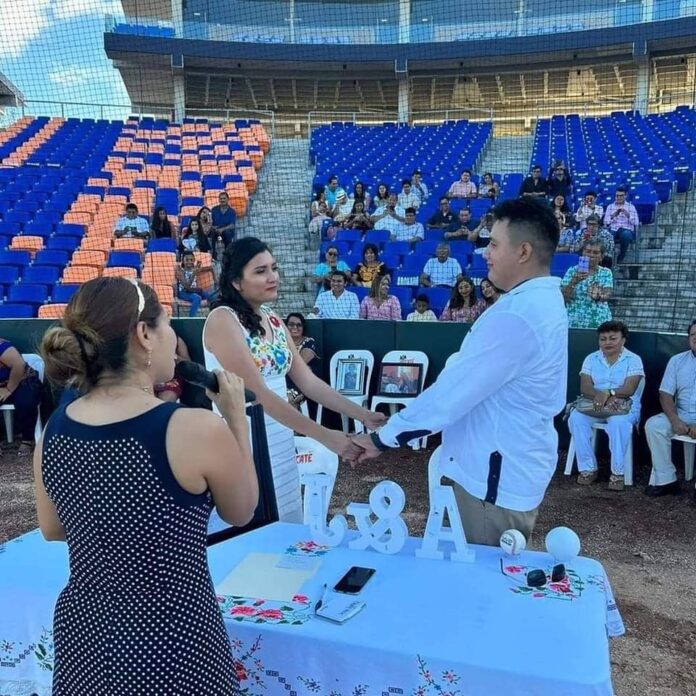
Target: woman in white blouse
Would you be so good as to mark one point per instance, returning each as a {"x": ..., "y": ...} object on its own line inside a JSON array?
[{"x": 608, "y": 375}]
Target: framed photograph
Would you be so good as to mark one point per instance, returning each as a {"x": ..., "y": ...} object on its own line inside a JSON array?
[
  {"x": 400, "y": 379},
  {"x": 350, "y": 377}
]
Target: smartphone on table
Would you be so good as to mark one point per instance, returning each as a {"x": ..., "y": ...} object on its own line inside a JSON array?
[{"x": 354, "y": 580}]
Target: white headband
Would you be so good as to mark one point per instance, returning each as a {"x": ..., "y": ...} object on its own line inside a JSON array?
[{"x": 141, "y": 297}]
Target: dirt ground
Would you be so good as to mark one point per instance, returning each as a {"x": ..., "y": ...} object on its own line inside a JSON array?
[{"x": 646, "y": 546}]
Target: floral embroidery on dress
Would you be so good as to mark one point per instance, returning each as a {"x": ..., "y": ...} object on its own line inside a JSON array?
[{"x": 271, "y": 354}]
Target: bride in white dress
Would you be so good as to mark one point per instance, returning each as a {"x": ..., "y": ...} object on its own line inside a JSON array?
[{"x": 244, "y": 336}]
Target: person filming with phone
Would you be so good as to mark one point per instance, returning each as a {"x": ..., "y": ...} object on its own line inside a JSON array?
[{"x": 587, "y": 288}]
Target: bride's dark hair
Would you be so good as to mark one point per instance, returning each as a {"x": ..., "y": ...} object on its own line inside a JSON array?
[{"x": 237, "y": 257}]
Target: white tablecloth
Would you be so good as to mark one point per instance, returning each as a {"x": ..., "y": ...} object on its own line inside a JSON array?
[{"x": 429, "y": 627}]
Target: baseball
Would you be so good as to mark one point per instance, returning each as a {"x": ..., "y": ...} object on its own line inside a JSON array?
[{"x": 513, "y": 542}]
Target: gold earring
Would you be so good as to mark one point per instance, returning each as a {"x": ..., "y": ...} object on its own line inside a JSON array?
[{"x": 149, "y": 358}]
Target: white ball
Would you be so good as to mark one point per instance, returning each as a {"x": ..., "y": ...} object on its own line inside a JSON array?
[
  {"x": 563, "y": 544},
  {"x": 513, "y": 542}
]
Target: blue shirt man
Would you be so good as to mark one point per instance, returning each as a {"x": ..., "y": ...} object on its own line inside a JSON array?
[{"x": 224, "y": 218}]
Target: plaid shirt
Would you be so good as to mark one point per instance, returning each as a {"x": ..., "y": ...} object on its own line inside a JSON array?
[{"x": 345, "y": 306}]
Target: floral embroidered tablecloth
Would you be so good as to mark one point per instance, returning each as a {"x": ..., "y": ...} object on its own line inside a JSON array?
[{"x": 429, "y": 627}]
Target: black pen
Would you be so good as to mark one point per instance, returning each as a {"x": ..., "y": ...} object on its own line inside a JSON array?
[{"x": 320, "y": 603}]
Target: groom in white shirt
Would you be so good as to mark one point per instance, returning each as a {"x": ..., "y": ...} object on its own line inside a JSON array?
[{"x": 496, "y": 401}]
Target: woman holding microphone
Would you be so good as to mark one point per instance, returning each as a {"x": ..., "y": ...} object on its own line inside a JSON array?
[{"x": 124, "y": 478}]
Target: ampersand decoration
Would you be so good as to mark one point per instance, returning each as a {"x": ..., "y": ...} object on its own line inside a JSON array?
[{"x": 388, "y": 533}]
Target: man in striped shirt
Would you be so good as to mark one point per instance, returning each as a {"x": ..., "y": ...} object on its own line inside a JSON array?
[{"x": 337, "y": 303}]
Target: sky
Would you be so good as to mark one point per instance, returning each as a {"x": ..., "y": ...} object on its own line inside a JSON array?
[{"x": 54, "y": 50}]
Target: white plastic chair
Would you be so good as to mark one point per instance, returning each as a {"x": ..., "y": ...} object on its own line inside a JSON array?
[
  {"x": 689, "y": 452},
  {"x": 405, "y": 357},
  {"x": 35, "y": 361},
  {"x": 602, "y": 425},
  {"x": 360, "y": 399},
  {"x": 313, "y": 458}
]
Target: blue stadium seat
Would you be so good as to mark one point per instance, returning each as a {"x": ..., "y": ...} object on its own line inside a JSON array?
[
  {"x": 438, "y": 298},
  {"x": 9, "y": 228},
  {"x": 12, "y": 257},
  {"x": 360, "y": 291},
  {"x": 414, "y": 263},
  {"x": 69, "y": 229},
  {"x": 41, "y": 275},
  {"x": 17, "y": 311},
  {"x": 129, "y": 259},
  {"x": 377, "y": 236},
  {"x": 68, "y": 244},
  {"x": 28, "y": 294},
  {"x": 161, "y": 245},
  {"x": 63, "y": 293},
  {"x": 8, "y": 275},
  {"x": 51, "y": 257},
  {"x": 405, "y": 297}
]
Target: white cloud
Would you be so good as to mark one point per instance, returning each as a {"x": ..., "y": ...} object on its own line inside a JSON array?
[
  {"x": 75, "y": 75},
  {"x": 68, "y": 9},
  {"x": 20, "y": 24}
]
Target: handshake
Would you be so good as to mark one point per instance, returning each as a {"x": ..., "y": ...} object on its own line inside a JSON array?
[{"x": 356, "y": 449}]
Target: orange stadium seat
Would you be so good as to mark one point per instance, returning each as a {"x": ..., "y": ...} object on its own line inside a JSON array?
[
  {"x": 119, "y": 272},
  {"x": 74, "y": 275},
  {"x": 94, "y": 258},
  {"x": 54, "y": 310},
  {"x": 79, "y": 218},
  {"x": 96, "y": 243},
  {"x": 27, "y": 242},
  {"x": 165, "y": 294},
  {"x": 129, "y": 244}
]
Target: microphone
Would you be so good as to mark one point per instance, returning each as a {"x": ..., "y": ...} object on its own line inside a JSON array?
[{"x": 195, "y": 373}]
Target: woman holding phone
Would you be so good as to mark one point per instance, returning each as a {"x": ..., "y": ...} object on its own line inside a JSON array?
[{"x": 587, "y": 288}]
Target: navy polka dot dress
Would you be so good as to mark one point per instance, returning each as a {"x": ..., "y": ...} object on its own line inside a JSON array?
[{"x": 138, "y": 615}]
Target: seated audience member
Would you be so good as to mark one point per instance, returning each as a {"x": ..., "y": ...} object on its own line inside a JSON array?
[
  {"x": 587, "y": 292},
  {"x": 343, "y": 208},
  {"x": 463, "y": 306},
  {"x": 307, "y": 350},
  {"x": 193, "y": 238},
  {"x": 337, "y": 303},
  {"x": 608, "y": 375},
  {"x": 379, "y": 304},
  {"x": 215, "y": 240},
  {"x": 224, "y": 218},
  {"x": 174, "y": 388},
  {"x": 319, "y": 198},
  {"x": 20, "y": 386},
  {"x": 323, "y": 270},
  {"x": 408, "y": 198},
  {"x": 462, "y": 226},
  {"x": 419, "y": 187},
  {"x": 411, "y": 231},
  {"x": 534, "y": 185},
  {"x": 442, "y": 270},
  {"x": 488, "y": 188},
  {"x": 131, "y": 225},
  {"x": 360, "y": 195},
  {"x": 331, "y": 191},
  {"x": 358, "y": 219},
  {"x": 161, "y": 228},
  {"x": 489, "y": 293},
  {"x": 381, "y": 198},
  {"x": 390, "y": 217},
  {"x": 559, "y": 181},
  {"x": 443, "y": 217},
  {"x": 559, "y": 204},
  {"x": 621, "y": 217},
  {"x": 589, "y": 207},
  {"x": 481, "y": 236},
  {"x": 423, "y": 311},
  {"x": 187, "y": 283},
  {"x": 317, "y": 222},
  {"x": 464, "y": 188},
  {"x": 678, "y": 417},
  {"x": 593, "y": 230},
  {"x": 369, "y": 268},
  {"x": 570, "y": 238}
]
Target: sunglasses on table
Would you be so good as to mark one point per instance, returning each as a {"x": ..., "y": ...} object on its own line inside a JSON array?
[{"x": 538, "y": 577}]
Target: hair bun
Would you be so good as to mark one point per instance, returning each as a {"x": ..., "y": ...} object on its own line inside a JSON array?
[{"x": 68, "y": 356}]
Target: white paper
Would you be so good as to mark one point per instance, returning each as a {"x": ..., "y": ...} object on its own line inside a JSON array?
[
  {"x": 298, "y": 562},
  {"x": 257, "y": 576}
]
